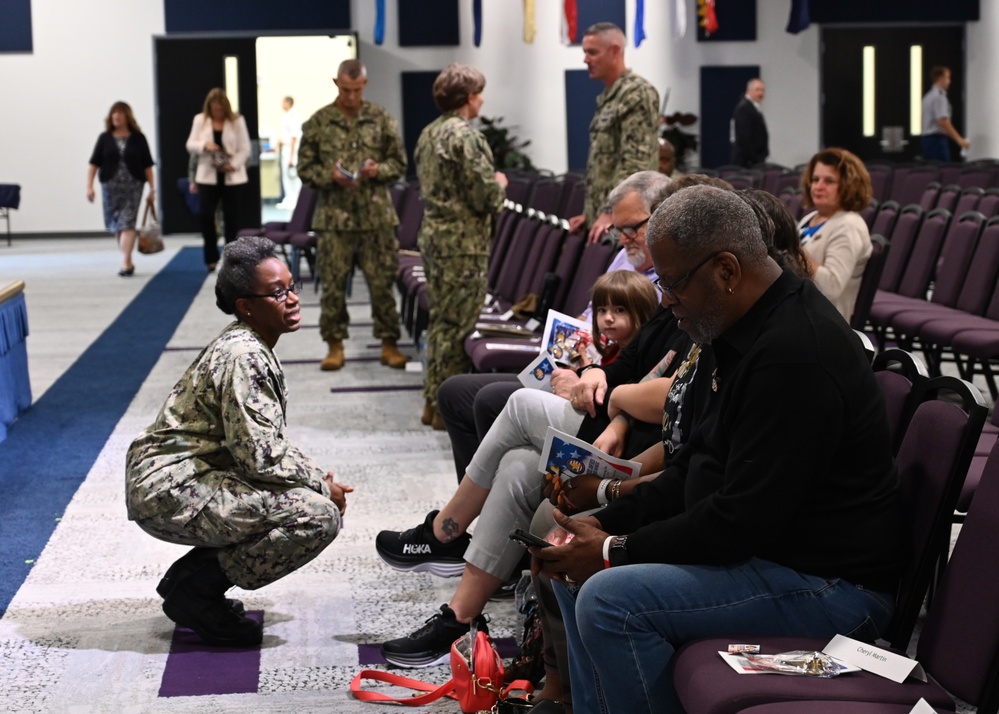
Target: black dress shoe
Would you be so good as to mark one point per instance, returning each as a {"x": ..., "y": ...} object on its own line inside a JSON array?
[{"x": 126, "y": 272}]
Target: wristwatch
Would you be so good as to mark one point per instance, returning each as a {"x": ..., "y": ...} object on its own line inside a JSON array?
[{"x": 618, "y": 551}]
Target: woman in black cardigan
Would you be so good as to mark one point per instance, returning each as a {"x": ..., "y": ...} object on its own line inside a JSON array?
[{"x": 122, "y": 162}]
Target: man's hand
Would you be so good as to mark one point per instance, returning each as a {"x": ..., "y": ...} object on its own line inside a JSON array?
[
  {"x": 576, "y": 223},
  {"x": 368, "y": 170},
  {"x": 589, "y": 392},
  {"x": 578, "y": 559},
  {"x": 563, "y": 380},
  {"x": 611, "y": 440},
  {"x": 338, "y": 492},
  {"x": 600, "y": 227},
  {"x": 339, "y": 178},
  {"x": 501, "y": 179}
]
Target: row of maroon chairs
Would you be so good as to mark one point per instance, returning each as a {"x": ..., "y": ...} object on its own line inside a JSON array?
[{"x": 939, "y": 421}]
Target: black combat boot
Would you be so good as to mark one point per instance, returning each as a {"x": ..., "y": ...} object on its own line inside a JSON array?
[{"x": 183, "y": 567}]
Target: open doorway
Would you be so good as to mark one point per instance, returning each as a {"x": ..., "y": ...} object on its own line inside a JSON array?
[{"x": 301, "y": 68}]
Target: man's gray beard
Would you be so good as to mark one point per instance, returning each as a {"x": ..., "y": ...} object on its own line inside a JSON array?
[{"x": 636, "y": 258}]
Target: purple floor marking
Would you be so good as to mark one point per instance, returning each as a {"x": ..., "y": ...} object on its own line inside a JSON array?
[
  {"x": 372, "y": 653},
  {"x": 194, "y": 669}
]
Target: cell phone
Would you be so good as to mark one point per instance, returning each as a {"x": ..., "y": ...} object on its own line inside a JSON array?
[
  {"x": 345, "y": 173},
  {"x": 526, "y": 539}
]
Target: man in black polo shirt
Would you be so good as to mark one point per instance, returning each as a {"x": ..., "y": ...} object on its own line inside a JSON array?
[{"x": 780, "y": 515}]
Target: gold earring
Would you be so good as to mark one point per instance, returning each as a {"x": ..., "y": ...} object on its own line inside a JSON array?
[{"x": 730, "y": 291}]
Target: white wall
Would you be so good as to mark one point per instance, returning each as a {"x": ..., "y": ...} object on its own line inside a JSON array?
[{"x": 89, "y": 54}]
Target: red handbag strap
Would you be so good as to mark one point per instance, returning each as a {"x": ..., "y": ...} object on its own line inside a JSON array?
[{"x": 433, "y": 692}]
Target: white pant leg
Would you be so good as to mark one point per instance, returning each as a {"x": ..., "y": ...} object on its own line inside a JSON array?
[{"x": 523, "y": 422}]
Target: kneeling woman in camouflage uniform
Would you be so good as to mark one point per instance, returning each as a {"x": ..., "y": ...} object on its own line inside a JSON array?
[{"x": 215, "y": 470}]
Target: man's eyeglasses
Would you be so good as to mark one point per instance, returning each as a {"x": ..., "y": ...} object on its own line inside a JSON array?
[
  {"x": 629, "y": 232},
  {"x": 282, "y": 294},
  {"x": 668, "y": 290}
]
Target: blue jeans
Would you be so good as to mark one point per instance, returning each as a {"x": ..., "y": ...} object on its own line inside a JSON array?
[
  {"x": 935, "y": 147},
  {"x": 624, "y": 624}
]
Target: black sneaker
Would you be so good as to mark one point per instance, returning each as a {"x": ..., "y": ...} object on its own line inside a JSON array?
[
  {"x": 431, "y": 644},
  {"x": 417, "y": 549}
]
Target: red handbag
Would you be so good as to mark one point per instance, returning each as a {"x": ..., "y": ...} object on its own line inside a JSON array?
[{"x": 476, "y": 679}]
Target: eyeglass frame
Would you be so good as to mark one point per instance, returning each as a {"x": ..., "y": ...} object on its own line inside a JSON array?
[
  {"x": 280, "y": 295},
  {"x": 668, "y": 289},
  {"x": 630, "y": 232}
]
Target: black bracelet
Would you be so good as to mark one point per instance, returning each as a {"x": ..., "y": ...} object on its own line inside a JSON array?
[{"x": 580, "y": 370}]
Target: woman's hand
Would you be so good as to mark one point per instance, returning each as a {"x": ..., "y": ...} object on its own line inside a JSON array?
[
  {"x": 578, "y": 493},
  {"x": 90, "y": 193},
  {"x": 338, "y": 492},
  {"x": 211, "y": 146},
  {"x": 611, "y": 440}
]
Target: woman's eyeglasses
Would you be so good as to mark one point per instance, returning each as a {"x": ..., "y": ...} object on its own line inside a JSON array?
[{"x": 282, "y": 294}]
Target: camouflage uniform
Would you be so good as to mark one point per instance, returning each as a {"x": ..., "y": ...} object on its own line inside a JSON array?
[
  {"x": 461, "y": 196},
  {"x": 623, "y": 138},
  {"x": 215, "y": 468},
  {"x": 357, "y": 221}
]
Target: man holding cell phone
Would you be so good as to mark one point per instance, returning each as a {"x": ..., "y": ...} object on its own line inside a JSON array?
[{"x": 351, "y": 152}]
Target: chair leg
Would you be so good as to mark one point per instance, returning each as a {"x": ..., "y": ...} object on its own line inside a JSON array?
[{"x": 293, "y": 263}]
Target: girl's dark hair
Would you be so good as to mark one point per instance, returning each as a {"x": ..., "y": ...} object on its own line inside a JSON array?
[
  {"x": 780, "y": 232},
  {"x": 628, "y": 289},
  {"x": 238, "y": 274}
]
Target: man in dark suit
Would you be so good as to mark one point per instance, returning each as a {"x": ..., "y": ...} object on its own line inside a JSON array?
[{"x": 750, "y": 141}]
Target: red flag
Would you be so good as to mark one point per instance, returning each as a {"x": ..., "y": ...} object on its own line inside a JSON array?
[
  {"x": 709, "y": 21},
  {"x": 571, "y": 20}
]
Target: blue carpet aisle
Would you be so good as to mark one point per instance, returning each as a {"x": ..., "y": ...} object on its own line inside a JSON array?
[
  {"x": 85, "y": 632},
  {"x": 49, "y": 451}
]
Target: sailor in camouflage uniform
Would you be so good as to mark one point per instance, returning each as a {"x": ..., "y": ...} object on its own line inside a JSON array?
[
  {"x": 215, "y": 470},
  {"x": 351, "y": 152},
  {"x": 461, "y": 193},
  {"x": 624, "y": 135}
]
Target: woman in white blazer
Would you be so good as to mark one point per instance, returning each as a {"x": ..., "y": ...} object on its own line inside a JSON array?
[
  {"x": 834, "y": 236},
  {"x": 221, "y": 141}
]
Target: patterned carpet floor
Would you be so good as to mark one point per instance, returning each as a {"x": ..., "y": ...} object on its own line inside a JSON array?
[{"x": 85, "y": 632}]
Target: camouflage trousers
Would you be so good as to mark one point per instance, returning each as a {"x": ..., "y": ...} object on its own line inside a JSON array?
[
  {"x": 263, "y": 535},
  {"x": 456, "y": 290},
  {"x": 376, "y": 253}
]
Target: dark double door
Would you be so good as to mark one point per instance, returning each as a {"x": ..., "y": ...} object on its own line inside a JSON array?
[
  {"x": 186, "y": 69},
  {"x": 842, "y": 84}
]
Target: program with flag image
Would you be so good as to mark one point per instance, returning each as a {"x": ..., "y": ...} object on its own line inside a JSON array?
[
  {"x": 566, "y": 457},
  {"x": 565, "y": 337}
]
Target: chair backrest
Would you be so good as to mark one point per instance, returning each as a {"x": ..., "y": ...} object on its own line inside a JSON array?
[
  {"x": 518, "y": 189},
  {"x": 983, "y": 272},
  {"x": 545, "y": 195},
  {"x": 928, "y": 201},
  {"x": 565, "y": 267},
  {"x": 955, "y": 255},
  {"x": 947, "y": 198},
  {"x": 899, "y": 374},
  {"x": 884, "y": 219},
  {"x": 792, "y": 199},
  {"x": 869, "y": 282},
  {"x": 936, "y": 450},
  {"x": 573, "y": 198},
  {"x": 592, "y": 264},
  {"x": 787, "y": 179},
  {"x": 988, "y": 205},
  {"x": 398, "y": 193},
  {"x": 950, "y": 173},
  {"x": 959, "y": 642},
  {"x": 981, "y": 176},
  {"x": 305, "y": 209},
  {"x": 744, "y": 180},
  {"x": 506, "y": 224},
  {"x": 968, "y": 200},
  {"x": 903, "y": 238},
  {"x": 544, "y": 252},
  {"x": 880, "y": 180},
  {"x": 910, "y": 188},
  {"x": 923, "y": 259},
  {"x": 408, "y": 229},
  {"x": 868, "y": 213},
  {"x": 514, "y": 261}
]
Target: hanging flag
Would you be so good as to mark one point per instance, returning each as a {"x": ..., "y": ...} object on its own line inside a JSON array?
[
  {"x": 799, "y": 18},
  {"x": 709, "y": 21},
  {"x": 569, "y": 23},
  {"x": 678, "y": 18},
  {"x": 477, "y": 20},
  {"x": 379, "y": 21},
  {"x": 530, "y": 26},
  {"x": 639, "y": 22}
]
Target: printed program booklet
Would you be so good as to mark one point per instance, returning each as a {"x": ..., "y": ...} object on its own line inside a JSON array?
[
  {"x": 566, "y": 456},
  {"x": 563, "y": 338}
]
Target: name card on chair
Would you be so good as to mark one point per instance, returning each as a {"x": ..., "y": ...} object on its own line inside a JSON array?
[{"x": 874, "y": 659}]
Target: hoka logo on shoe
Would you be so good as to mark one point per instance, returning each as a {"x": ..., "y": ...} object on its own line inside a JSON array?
[{"x": 418, "y": 549}]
